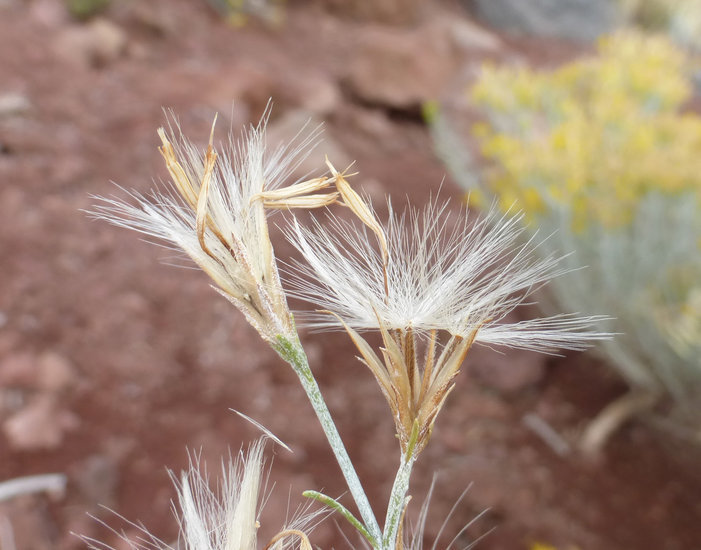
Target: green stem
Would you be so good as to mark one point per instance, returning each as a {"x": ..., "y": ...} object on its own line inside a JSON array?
[
  {"x": 398, "y": 499},
  {"x": 293, "y": 353},
  {"x": 338, "y": 507},
  {"x": 397, "y": 502}
]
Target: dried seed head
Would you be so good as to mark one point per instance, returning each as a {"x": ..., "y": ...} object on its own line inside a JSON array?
[
  {"x": 429, "y": 282},
  {"x": 446, "y": 272},
  {"x": 415, "y": 389},
  {"x": 215, "y": 211},
  {"x": 225, "y": 518}
]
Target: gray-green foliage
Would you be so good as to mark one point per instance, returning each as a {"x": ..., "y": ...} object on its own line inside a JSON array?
[{"x": 646, "y": 275}]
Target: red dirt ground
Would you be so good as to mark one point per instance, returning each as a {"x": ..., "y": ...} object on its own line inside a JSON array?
[{"x": 150, "y": 359}]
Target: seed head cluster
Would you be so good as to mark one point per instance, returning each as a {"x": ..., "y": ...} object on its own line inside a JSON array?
[{"x": 432, "y": 282}]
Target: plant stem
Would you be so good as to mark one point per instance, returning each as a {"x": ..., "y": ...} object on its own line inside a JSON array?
[
  {"x": 398, "y": 500},
  {"x": 338, "y": 507},
  {"x": 293, "y": 353}
]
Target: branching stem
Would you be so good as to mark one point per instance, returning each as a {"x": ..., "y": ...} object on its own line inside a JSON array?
[{"x": 293, "y": 353}]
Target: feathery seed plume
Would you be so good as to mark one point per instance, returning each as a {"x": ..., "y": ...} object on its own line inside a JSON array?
[
  {"x": 214, "y": 209},
  {"x": 226, "y": 518},
  {"x": 433, "y": 280}
]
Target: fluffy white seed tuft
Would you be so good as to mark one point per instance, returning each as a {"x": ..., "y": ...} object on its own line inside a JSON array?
[
  {"x": 215, "y": 210},
  {"x": 223, "y": 518},
  {"x": 445, "y": 272}
]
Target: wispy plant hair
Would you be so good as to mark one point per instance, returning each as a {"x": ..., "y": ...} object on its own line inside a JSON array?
[
  {"x": 416, "y": 539},
  {"x": 214, "y": 209},
  {"x": 425, "y": 275},
  {"x": 445, "y": 272},
  {"x": 223, "y": 518}
]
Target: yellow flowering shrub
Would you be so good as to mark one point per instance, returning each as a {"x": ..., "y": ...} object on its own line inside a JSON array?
[
  {"x": 597, "y": 134},
  {"x": 604, "y": 154}
]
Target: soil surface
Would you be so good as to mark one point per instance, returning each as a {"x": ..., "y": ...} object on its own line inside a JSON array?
[{"x": 114, "y": 364}]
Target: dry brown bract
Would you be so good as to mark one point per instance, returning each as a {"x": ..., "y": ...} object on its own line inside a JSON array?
[{"x": 414, "y": 389}]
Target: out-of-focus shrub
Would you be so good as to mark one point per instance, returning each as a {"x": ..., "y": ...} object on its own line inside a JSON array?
[
  {"x": 602, "y": 154},
  {"x": 681, "y": 19},
  {"x": 239, "y": 12},
  {"x": 85, "y": 9},
  {"x": 650, "y": 14},
  {"x": 599, "y": 134},
  {"x": 574, "y": 20}
]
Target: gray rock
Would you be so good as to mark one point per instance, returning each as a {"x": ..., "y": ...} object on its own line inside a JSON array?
[{"x": 580, "y": 20}]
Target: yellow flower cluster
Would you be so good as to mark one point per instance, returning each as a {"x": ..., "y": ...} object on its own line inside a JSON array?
[{"x": 595, "y": 136}]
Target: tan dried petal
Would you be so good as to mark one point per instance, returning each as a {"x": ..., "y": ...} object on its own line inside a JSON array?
[
  {"x": 301, "y": 188},
  {"x": 306, "y": 202},
  {"x": 201, "y": 209},
  {"x": 369, "y": 357},
  {"x": 180, "y": 179},
  {"x": 415, "y": 395},
  {"x": 428, "y": 365},
  {"x": 354, "y": 201}
]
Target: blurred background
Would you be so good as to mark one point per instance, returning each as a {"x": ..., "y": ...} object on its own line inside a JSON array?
[{"x": 113, "y": 364}]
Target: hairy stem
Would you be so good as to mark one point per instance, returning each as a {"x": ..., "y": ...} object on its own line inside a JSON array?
[
  {"x": 293, "y": 353},
  {"x": 397, "y": 502}
]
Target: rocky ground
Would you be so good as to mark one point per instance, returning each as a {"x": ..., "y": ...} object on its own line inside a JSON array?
[{"x": 112, "y": 364}]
